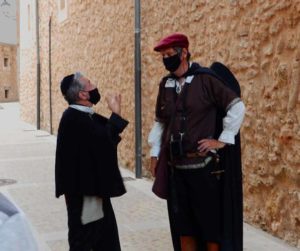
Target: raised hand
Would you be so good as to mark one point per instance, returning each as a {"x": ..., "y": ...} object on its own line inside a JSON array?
[{"x": 114, "y": 102}]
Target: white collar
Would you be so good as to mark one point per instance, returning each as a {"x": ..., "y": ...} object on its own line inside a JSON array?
[{"x": 82, "y": 108}]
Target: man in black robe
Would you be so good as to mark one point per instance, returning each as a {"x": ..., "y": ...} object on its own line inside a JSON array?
[
  {"x": 86, "y": 166},
  {"x": 197, "y": 115}
]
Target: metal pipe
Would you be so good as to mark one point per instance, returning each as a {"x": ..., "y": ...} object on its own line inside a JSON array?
[
  {"x": 138, "y": 109},
  {"x": 38, "y": 70},
  {"x": 50, "y": 76}
]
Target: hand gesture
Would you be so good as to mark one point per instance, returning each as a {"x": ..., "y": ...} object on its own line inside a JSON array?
[{"x": 114, "y": 102}]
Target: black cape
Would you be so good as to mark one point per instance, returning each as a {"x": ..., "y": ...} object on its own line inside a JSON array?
[
  {"x": 230, "y": 161},
  {"x": 86, "y": 155}
]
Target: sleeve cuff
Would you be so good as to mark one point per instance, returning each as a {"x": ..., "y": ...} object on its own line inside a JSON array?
[
  {"x": 227, "y": 137},
  {"x": 154, "y": 152},
  {"x": 118, "y": 122}
]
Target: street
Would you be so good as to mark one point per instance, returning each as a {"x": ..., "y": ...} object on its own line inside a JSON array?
[{"x": 27, "y": 178}]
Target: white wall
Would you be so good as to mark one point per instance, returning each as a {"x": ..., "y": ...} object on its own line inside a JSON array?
[
  {"x": 8, "y": 23},
  {"x": 27, "y": 23}
]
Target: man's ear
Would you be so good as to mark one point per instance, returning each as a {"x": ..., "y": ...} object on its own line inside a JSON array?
[
  {"x": 82, "y": 95},
  {"x": 184, "y": 53}
]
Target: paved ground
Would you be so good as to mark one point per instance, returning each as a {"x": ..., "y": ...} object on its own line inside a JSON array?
[{"x": 27, "y": 156}]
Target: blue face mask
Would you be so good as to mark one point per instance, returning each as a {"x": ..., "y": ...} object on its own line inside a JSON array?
[
  {"x": 172, "y": 63},
  {"x": 94, "y": 96}
]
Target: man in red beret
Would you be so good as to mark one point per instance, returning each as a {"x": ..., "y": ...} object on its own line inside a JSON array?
[{"x": 197, "y": 120}]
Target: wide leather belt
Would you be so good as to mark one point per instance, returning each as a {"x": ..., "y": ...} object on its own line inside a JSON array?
[
  {"x": 195, "y": 155},
  {"x": 202, "y": 164}
]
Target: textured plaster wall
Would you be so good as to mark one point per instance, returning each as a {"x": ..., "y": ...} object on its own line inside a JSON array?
[
  {"x": 27, "y": 78},
  {"x": 8, "y": 80},
  {"x": 258, "y": 40},
  {"x": 96, "y": 38}
]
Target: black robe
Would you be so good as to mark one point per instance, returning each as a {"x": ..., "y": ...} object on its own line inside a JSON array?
[
  {"x": 230, "y": 161},
  {"x": 86, "y": 155}
]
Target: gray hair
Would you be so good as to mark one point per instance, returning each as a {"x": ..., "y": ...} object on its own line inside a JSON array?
[
  {"x": 179, "y": 51},
  {"x": 74, "y": 89}
]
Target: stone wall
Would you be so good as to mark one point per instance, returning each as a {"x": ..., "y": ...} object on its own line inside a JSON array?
[
  {"x": 8, "y": 73},
  {"x": 28, "y": 68},
  {"x": 258, "y": 40},
  {"x": 95, "y": 38}
]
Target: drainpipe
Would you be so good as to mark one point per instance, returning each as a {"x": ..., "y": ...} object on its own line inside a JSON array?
[
  {"x": 137, "y": 71},
  {"x": 38, "y": 70},
  {"x": 50, "y": 76}
]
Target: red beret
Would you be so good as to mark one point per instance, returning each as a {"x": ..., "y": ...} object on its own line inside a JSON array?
[{"x": 173, "y": 40}]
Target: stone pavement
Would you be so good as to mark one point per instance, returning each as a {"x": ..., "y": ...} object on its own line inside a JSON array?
[{"x": 27, "y": 157}]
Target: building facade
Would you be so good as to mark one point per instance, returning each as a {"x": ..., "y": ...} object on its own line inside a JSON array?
[
  {"x": 8, "y": 73},
  {"x": 258, "y": 40},
  {"x": 8, "y": 52}
]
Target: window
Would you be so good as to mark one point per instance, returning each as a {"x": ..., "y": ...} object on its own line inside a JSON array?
[
  {"x": 6, "y": 93},
  {"x": 5, "y": 62},
  {"x": 28, "y": 12}
]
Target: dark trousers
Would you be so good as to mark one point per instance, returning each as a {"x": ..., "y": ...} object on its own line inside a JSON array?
[
  {"x": 195, "y": 205},
  {"x": 101, "y": 235}
]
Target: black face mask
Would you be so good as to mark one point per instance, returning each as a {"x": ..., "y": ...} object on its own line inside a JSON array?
[
  {"x": 94, "y": 96},
  {"x": 172, "y": 63}
]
